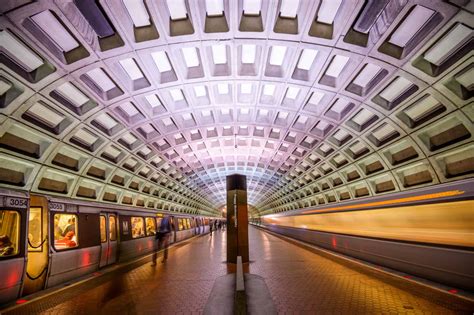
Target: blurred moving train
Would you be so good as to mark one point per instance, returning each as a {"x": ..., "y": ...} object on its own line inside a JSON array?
[
  {"x": 426, "y": 232},
  {"x": 46, "y": 241}
]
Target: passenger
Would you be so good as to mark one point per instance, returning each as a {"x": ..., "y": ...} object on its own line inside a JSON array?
[
  {"x": 68, "y": 240},
  {"x": 71, "y": 226},
  {"x": 6, "y": 246},
  {"x": 162, "y": 237},
  {"x": 210, "y": 227}
]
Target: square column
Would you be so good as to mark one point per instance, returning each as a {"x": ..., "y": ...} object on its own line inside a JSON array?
[{"x": 237, "y": 219}]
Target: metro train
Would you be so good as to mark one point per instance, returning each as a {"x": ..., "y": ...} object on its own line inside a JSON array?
[
  {"x": 46, "y": 241},
  {"x": 427, "y": 232}
]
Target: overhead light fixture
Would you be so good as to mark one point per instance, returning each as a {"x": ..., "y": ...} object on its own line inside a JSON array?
[
  {"x": 190, "y": 56},
  {"x": 129, "y": 109},
  {"x": 269, "y": 89},
  {"x": 45, "y": 115},
  {"x": 337, "y": 65},
  {"x": 50, "y": 25},
  {"x": 101, "y": 79},
  {"x": 161, "y": 61},
  {"x": 223, "y": 88},
  {"x": 219, "y": 54},
  {"x": 252, "y": 7},
  {"x": 130, "y": 67},
  {"x": 106, "y": 121},
  {"x": 177, "y": 9},
  {"x": 248, "y": 53},
  {"x": 277, "y": 55},
  {"x": 200, "y": 90},
  {"x": 362, "y": 117},
  {"x": 307, "y": 58},
  {"x": 448, "y": 44},
  {"x": 153, "y": 100},
  {"x": 72, "y": 94},
  {"x": 138, "y": 12},
  {"x": 176, "y": 95},
  {"x": 367, "y": 74},
  {"x": 246, "y": 88},
  {"x": 19, "y": 52},
  {"x": 214, "y": 7},
  {"x": 85, "y": 137},
  {"x": 396, "y": 88},
  {"x": 411, "y": 25},
  {"x": 289, "y": 8},
  {"x": 292, "y": 92},
  {"x": 328, "y": 10}
]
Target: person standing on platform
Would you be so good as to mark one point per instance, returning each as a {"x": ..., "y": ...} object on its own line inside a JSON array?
[
  {"x": 162, "y": 237},
  {"x": 210, "y": 227}
]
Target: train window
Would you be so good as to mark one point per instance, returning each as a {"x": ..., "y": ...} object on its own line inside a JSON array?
[
  {"x": 180, "y": 225},
  {"x": 65, "y": 231},
  {"x": 188, "y": 224},
  {"x": 150, "y": 226},
  {"x": 138, "y": 227},
  {"x": 9, "y": 232},
  {"x": 35, "y": 230},
  {"x": 112, "y": 228},
  {"x": 103, "y": 229}
]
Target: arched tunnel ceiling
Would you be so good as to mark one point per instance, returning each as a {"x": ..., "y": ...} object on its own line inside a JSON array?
[{"x": 153, "y": 103}]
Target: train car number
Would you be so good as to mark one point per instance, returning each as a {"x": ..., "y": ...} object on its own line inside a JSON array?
[
  {"x": 54, "y": 206},
  {"x": 16, "y": 202}
]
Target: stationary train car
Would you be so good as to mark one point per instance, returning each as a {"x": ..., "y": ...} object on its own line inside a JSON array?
[
  {"x": 427, "y": 232},
  {"x": 46, "y": 241}
]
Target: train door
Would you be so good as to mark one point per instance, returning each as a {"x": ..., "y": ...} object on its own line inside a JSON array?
[
  {"x": 38, "y": 246},
  {"x": 108, "y": 239}
]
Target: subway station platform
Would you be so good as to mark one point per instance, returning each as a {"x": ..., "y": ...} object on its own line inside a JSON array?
[{"x": 299, "y": 279}]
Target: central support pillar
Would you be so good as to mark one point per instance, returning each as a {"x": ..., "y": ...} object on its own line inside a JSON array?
[{"x": 237, "y": 219}]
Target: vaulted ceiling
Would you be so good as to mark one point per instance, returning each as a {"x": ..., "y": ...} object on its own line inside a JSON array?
[{"x": 153, "y": 103}]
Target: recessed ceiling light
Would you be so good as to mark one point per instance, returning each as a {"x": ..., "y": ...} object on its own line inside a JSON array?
[
  {"x": 277, "y": 55},
  {"x": 138, "y": 13},
  {"x": 307, "y": 58},
  {"x": 130, "y": 67},
  {"x": 223, "y": 88},
  {"x": 269, "y": 89},
  {"x": 338, "y": 64},
  {"x": 191, "y": 57},
  {"x": 50, "y": 25},
  {"x": 18, "y": 51},
  {"x": 249, "y": 52},
  {"x": 411, "y": 25},
  {"x": 101, "y": 79},
  {"x": 246, "y": 88},
  {"x": 219, "y": 54},
  {"x": 448, "y": 44},
  {"x": 328, "y": 10},
  {"x": 367, "y": 74},
  {"x": 177, "y": 9},
  {"x": 176, "y": 95},
  {"x": 72, "y": 94},
  {"x": 200, "y": 90},
  {"x": 289, "y": 8},
  {"x": 252, "y": 7},
  {"x": 214, "y": 7},
  {"x": 161, "y": 61}
]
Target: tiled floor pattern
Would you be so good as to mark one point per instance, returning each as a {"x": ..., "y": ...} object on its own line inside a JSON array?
[{"x": 300, "y": 281}]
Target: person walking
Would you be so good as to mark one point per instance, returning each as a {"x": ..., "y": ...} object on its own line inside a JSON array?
[
  {"x": 210, "y": 227},
  {"x": 162, "y": 237}
]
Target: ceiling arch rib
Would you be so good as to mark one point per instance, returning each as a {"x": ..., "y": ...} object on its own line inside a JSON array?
[{"x": 153, "y": 103}]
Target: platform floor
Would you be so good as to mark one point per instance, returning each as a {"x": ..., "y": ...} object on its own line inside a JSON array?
[{"x": 299, "y": 280}]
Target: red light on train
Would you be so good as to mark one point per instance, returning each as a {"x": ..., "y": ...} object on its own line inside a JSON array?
[
  {"x": 453, "y": 291},
  {"x": 334, "y": 242},
  {"x": 407, "y": 277},
  {"x": 21, "y": 301}
]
